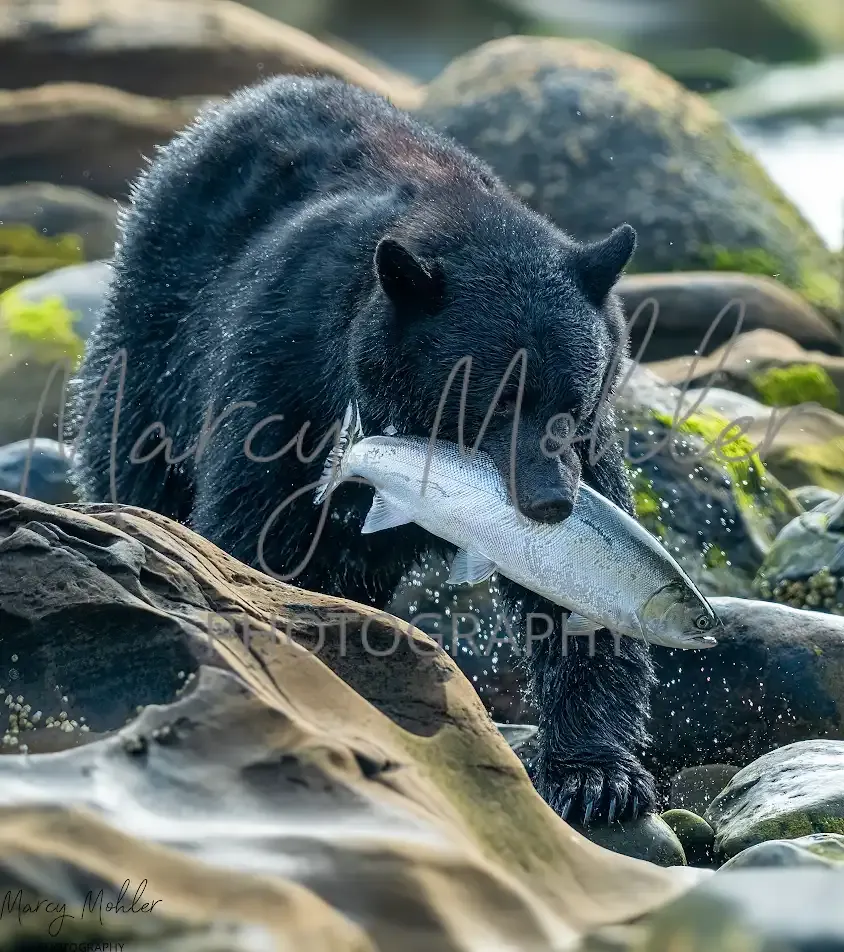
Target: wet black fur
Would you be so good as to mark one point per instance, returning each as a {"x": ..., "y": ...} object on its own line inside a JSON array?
[{"x": 250, "y": 270}]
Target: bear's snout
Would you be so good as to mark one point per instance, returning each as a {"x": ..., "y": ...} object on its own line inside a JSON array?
[{"x": 543, "y": 487}]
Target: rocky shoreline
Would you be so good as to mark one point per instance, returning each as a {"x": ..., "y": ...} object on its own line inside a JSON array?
[{"x": 171, "y": 716}]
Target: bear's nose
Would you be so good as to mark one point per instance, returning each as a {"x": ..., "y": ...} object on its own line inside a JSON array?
[{"x": 553, "y": 505}]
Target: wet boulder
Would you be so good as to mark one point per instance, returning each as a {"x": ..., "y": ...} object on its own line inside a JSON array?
[
  {"x": 84, "y": 136},
  {"x": 795, "y": 791},
  {"x": 688, "y": 303},
  {"x": 775, "y": 677},
  {"x": 805, "y": 566},
  {"x": 698, "y": 484},
  {"x": 766, "y": 910},
  {"x": 306, "y": 741},
  {"x": 694, "y": 788},
  {"x": 38, "y": 468},
  {"x": 695, "y": 835},
  {"x": 825, "y": 850},
  {"x": 766, "y": 365},
  {"x": 648, "y": 838},
  {"x": 53, "y": 212},
  {"x": 592, "y": 137}
]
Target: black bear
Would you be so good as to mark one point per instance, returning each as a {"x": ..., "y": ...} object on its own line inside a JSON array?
[{"x": 306, "y": 244}]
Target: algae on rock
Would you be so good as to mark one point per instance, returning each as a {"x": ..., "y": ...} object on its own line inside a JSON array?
[
  {"x": 24, "y": 253},
  {"x": 705, "y": 493},
  {"x": 795, "y": 384},
  {"x": 39, "y": 348}
]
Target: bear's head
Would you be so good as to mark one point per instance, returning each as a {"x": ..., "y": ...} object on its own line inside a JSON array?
[{"x": 488, "y": 313}]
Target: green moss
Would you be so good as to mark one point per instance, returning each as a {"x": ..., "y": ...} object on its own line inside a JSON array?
[
  {"x": 647, "y": 503},
  {"x": 821, "y": 464},
  {"x": 714, "y": 557},
  {"x": 736, "y": 455},
  {"x": 43, "y": 327},
  {"x": 795, "y": 384},
  {"x": 746, "y": 260},
  {"x": 795, "y": 825},
  {"x": 819, "y": 287},
  {"x": 25, "y": 253}
]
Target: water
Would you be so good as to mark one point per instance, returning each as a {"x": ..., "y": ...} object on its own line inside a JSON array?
[{"x": 807, "y": 162}]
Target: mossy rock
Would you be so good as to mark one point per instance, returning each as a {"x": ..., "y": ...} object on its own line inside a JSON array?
[
  {"x": 694, "y": 833},
  {"x": 591, "y": 137},
  {"x": 766, "y": 365},
  {"x": 701, "y": 489},
  {"x": 25, "y": 254},
  {"x": 792, "y": 792},
  {"x": 39, "y": 347},
  {"x": 44, "y": 329},
  {"x": 819, "y": 850}
]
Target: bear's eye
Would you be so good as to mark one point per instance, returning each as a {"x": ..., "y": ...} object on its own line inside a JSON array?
[{"x": 506, "y": 406}]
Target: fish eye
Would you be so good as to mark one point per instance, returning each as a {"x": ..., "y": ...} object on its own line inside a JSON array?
[{"x": 703, "y": 622}]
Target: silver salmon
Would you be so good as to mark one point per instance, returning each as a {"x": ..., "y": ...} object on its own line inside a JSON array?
[{"x": 599, "y": 563}]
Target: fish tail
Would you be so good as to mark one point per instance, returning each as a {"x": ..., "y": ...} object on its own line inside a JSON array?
[{"x": 333, "y": 472}]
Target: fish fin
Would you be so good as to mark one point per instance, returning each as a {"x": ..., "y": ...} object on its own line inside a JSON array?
[
  {"x": 383, "y": 516},
  {"x": 517, "y": 735},
  {"x": 332, "y": 473},
  {"x": 469, "y": 568},
  {"x": 578, "y": 625}
]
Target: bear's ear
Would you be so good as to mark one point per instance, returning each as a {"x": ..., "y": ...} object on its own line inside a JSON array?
[
  {"x": 407, "y": 281},
  {"x": 600, "y": 263}
]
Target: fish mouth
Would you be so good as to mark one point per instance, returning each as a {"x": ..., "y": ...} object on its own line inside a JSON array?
[{"x": 703, "y": 641}]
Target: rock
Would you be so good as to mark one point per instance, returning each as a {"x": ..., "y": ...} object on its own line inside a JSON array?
[
  {"x": 688, "y": 304},
  {"x": 798, "y": 445},
  {"x": 694, "y": 788},
  {"x": 764, "y": 30},
  {"x": 695, "y": 835},
  {"x": 37, "y": 468},
  {"x": 54, "y": 212},
  {"x": 788, "y": 793},
  {"x": 775, "y": 677},
  {"x": 81, "y": 287},
  {"x": 759, "y": 910},
  {"x": 811, "y": 496},
  {"x": 649, "y": 838},
  {"x": 718, "y": 517},
  {"x": 808, "y": 91},
  {"x": 805, "y": 566},
  {"x": 44, "y": 324},
  {"x": 593, "y": 137},
  {"x": 170, "y": 50},
  {"x": 819, "y": 849},
  {"x": 765, "y": 365},
  {"x": 84, "y": 136},
  {"x": 274, "y": 742}
]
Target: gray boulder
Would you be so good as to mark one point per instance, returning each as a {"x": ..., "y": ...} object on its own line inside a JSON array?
[
  {"x": 37, "y": 468},
  {"x": 775, "y": 677},
  {"x": 52, "y": 210},
  {"x": 593, "y": 137},
  {"x": 819, "y": 849},
  {"x": 763, "y": 910},
  {"x": 44, "y": 324},
  {"x": 789, "y": 793}
]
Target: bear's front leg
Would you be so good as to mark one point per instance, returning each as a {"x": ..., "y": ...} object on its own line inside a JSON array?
[{"x": 592, "y": 696}]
